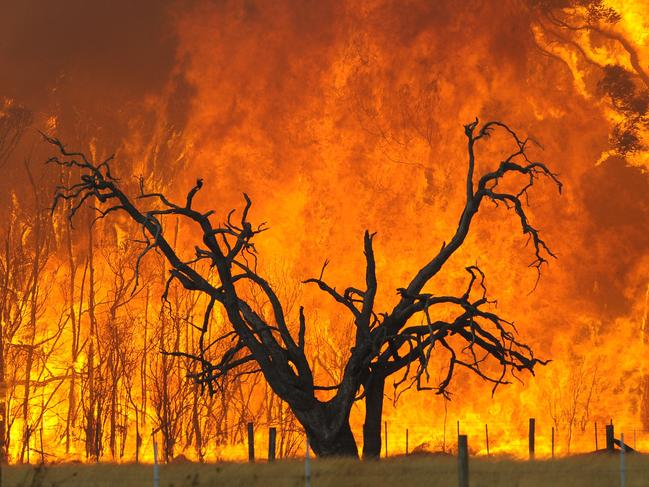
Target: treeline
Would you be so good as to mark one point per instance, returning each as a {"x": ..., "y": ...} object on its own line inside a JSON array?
[
  {"x": 82, "y": 369},
  {"x": 83, "y": 362}
]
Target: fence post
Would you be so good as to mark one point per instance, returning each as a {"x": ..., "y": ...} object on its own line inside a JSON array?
[
  {"x": 610, "y": 435},
  {"x": 272, "y": 435},
  {"x": 596, "y": 445},
  {"x": 251, "y": 443},
  {"x": 553, "y": 442},
  {"x": 622, "y": 466},
  {"x": 462, "y": 461},
  {"x": 156, "y": 472},
  {"x": 385, "y": 428},
  {"x": 307, "y": 465},
  {"x": 406, "y": 441},
  {"x": 486, "y": 434},
  {"x": 531, "y": 437}
]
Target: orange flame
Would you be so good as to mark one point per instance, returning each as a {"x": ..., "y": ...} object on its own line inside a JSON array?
[{"x": 335, "y": 117}]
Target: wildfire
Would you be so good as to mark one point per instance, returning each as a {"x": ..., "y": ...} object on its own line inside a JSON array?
[{"x": 335, "y": 117}]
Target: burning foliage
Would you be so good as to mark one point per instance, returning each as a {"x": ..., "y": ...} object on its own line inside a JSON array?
[{"x": 334, "y": 117}]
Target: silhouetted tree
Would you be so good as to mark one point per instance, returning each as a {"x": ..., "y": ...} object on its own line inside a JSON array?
[{"x": 265, "y": 341}]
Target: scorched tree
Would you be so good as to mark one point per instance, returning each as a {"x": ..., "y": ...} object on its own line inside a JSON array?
[{"x": 401, "y": 340}]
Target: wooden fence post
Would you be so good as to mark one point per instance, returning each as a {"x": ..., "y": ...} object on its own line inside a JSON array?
[
  {"x": 272, "y": 435},
  {"x": 596, "y": 445},
  {"x": 406, "y": 441},
  {"x": 462, "y": 461},
  {"x": 251, "y": 443},
  {"x": 610, "y": 436},
  {"x": 385, "y": 429},
  {"x": 553, "y": 442},
  {"x": 531, "y": 437},
  {"x": 486, "y": 434},
  {"x": 156, "y": 471}
]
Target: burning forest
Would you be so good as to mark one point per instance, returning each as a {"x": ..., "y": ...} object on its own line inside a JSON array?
[{"x": 345, "y": 219}]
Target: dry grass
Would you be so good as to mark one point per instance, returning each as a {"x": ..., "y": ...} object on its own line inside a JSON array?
[{"x": 588, "y": 471}]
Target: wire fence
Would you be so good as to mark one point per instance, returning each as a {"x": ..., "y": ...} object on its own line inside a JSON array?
[
  {"x": 459, "y": 453},
  {"x": 410, "y": 471},
  {"x": 549, "y": 440},
  {"x": 398, "y": 438}
]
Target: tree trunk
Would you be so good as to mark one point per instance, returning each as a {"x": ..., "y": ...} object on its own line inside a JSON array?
[
  {"x": 3, "y": 340},
  {"x": 329, "y": 434},
  {"x": 196, "y": 424},
  {"x": 3, "y": 401},
  {"x": 143, "y": 380},
  {"x": 341, "y": 444},
  {"x": 113, "y": 406},
  {"x": 72, "y": 406},
  {"x": 373, "y": 415},
  {"x": 91, "y": 427},
  {"x": 644, "y": 330},
  {"x": 33, "y": 321}
]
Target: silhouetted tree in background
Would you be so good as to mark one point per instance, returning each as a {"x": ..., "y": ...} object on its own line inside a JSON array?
[{"x": 580, "y": 27}]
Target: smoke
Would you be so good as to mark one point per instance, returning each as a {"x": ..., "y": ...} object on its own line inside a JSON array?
[
  {"x": 85, "y": 53},
  {"x": 91, "y": 73}
]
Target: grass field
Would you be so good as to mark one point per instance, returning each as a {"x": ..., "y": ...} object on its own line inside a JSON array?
[{"x": 589, "y": 471}]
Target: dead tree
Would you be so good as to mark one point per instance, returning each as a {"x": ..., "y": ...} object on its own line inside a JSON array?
[
  {"x": 16, "y": 281},
  {"x": 384, "y": 343},
  {"x": 477, "y": 338},
  {"x": 41, "y": 252}
]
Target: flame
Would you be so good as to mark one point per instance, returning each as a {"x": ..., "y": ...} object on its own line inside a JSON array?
[{"x": 335, "y": 117}]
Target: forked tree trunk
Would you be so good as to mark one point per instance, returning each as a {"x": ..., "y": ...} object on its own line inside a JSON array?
[
  {"x": 329, "y": 434},
  {"x": 342, "y": 444},
  {"x": 373, "y": 414}
]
